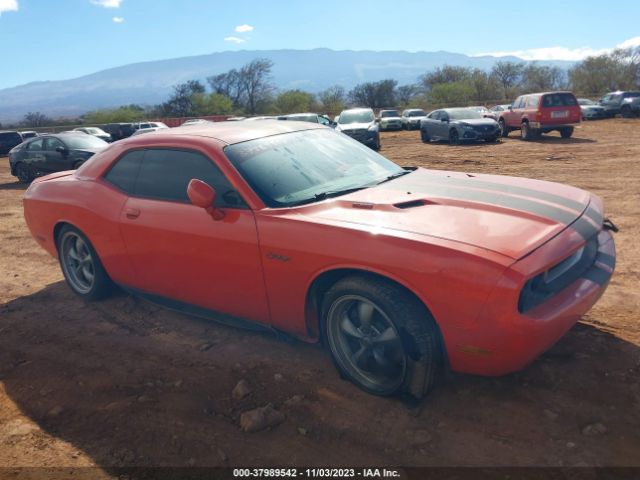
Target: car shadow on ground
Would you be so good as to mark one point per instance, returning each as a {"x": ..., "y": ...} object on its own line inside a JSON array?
[
  {"x": 14, "y": 186},
  {"x": 553, "y": 140},
  {"x": 463, "y": 144},
  {"x": 128, "y": 383}
]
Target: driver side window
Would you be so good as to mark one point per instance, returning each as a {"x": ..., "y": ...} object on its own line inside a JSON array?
[
  {"x": 50, "y": 144},
  {"x": 163, "y": 174}
]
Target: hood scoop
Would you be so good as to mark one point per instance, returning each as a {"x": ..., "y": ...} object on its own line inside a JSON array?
[{"x": 413, "y": 204}]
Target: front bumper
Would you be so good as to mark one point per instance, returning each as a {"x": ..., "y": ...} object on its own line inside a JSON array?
[
  {"x": 395, "y": 125},
  {"x": 504, "y": 340},
  {"x": 477, "y": 135}
]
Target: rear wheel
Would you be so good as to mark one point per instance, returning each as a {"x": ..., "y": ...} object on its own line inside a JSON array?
[
  {"x": 625, "y": 111},
  {"x": 504, "y": 130},
  {"x": 23, "y": 173},
  {"x": 380, "y": 337},
  {"x": 81, "y": 265},
  {"x": 77, "y": 164},
  {"x": 526, "y": 132},
  {"x": 566, "y": 132}
]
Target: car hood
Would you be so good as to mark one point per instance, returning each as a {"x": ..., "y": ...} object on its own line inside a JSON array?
[
  {"x": 353, "y": 126},
  {"x": 507, "y": 215},
  {"x": 476, "y": 121}
]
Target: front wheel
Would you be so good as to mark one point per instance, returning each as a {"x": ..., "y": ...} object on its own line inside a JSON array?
[
  {"x": 81, "y": 265},
  {"x": 566, "y": 132},
  {"x": 424, "y": 136},
  {"x": 380, "y": 337},
  {"x": 77, "y": 164}
]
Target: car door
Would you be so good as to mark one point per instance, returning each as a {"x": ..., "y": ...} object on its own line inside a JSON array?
[
  {"x": 442, "y": 125},
  {"x": 34, "y": 156},
  {"x": 55, "y": 161},
  {"x": 177, "y": 250},
  {"x": 431, "y": 124},
  {"x": 512, "y": 115}
]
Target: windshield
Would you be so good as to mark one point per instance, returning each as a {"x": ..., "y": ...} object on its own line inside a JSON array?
[
  {"x": 418, "y": 113},
  {"x": 293, "y": 168},
  {"x": 389, "y": 113},
  {"x": 463, "y": 114},
  {"x": 81, "y": 142},
  {"x": 356, "y": 116}
]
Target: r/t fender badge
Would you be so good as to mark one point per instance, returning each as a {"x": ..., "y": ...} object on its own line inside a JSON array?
[{"x": 278, "y": 257}]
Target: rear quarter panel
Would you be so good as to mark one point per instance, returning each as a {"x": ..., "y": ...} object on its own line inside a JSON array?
[{"x": 90, "y": 206}]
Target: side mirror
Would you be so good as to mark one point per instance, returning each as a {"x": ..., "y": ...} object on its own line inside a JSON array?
[
  {"x": 62, "y": 150},
  {"x": 203, "y": 195}
]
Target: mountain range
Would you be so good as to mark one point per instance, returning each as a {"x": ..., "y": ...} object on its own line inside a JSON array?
[{"x": 149, "y": 83}]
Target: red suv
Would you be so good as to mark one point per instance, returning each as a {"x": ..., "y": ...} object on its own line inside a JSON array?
[{"x": 538, "y": 113}]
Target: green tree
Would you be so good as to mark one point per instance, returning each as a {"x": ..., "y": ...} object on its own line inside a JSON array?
[
  {"x": 455, "y": 94},
  {"x": 444, "y": 74},
  {"x": 128, "y": 113},
  {"x": 181, "y": 103},
  {"x": 293, "y": 101}
]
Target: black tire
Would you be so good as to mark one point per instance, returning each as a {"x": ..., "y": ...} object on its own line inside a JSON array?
[
  {"x": 625, "y": 111},
  {"x": 504, "y": 130},
  {"x": 424, "y": 136},
  {"x": 78, "y": 164},
  {"x": 377, "y": 145},
  {"x": 82, "y": 269},
  {"x": 454, "y": 137},
  {"x": 23, "y": 173},
  {"x": 395, "y": 351},
  {"x": 566, "y": 132},
  {"x": 526, "y": 132},
  {"x": 493, "y": 139}
]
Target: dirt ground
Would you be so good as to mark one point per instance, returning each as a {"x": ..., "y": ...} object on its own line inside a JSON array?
[{"x": 124, "y": 382}]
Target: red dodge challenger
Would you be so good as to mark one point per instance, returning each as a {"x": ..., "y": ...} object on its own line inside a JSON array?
[{"x": 297, "y": 228}]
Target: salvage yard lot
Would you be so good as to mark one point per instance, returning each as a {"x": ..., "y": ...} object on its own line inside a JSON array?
[{"x": 123, "y": 382}]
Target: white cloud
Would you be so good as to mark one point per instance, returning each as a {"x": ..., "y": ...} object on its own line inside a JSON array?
[
  {"x": 243, "y": 28},
  {"x": 118, "y": 19},
  {"x": 107, "y": 3},
  {"x": 8, "y": 6},
  {"x": 560, "y": 53},
  {"x": 234, "y": 40}
]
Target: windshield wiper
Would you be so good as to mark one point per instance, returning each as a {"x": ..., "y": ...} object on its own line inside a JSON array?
[
  {"x": 395, "y": 175},
  {"x": 328, "y": 194}
]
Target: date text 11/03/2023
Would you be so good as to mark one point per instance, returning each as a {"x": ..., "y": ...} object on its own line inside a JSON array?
[{"x": 315, "y": 473}]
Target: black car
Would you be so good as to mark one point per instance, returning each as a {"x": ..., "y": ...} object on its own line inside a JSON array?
[
  {"x": 457, "y": 125},
  {"x": 52, "y": 153},
  {"x": 118, "y": 131},
  {"x": 615, "y": 103},
  {"x": 8, "y": 140}
]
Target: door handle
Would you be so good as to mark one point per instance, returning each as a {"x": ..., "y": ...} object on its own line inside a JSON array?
[{"x": 132, "y": 213}]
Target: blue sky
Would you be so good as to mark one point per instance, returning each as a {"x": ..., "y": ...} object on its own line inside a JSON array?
[{"x": 59, "y": 39}]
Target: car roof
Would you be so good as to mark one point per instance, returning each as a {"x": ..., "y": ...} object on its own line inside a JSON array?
[{"x": 236, "y": 132}]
